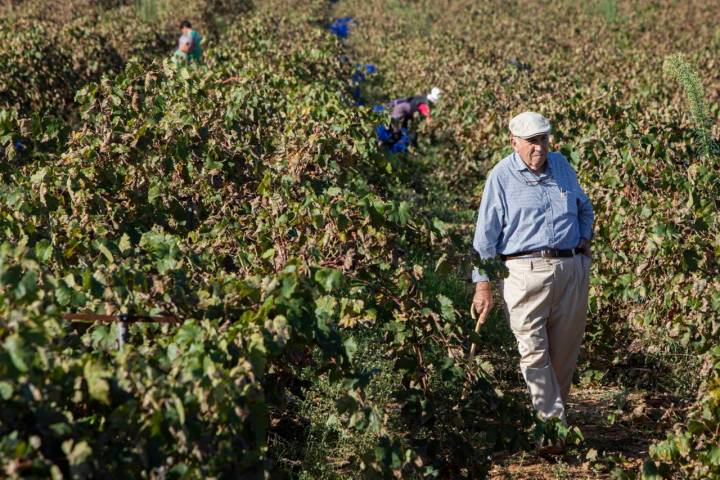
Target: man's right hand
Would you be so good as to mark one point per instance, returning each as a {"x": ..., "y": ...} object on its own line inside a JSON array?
[{"x": 483, "y": 298}]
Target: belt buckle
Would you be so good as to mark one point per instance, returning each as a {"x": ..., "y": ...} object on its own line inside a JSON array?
[{"x": 545, "y": 253}]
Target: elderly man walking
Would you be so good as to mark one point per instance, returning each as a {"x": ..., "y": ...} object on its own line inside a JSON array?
[{"x": 535, "y": 216}]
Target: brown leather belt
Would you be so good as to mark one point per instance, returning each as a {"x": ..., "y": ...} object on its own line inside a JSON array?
[{"x": 544, "y": 253}]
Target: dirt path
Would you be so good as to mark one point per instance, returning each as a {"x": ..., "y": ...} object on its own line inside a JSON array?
[{"x": 618, "y": 426}]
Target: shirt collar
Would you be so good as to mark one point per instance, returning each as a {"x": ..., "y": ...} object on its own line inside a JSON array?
[{"x": 520, "y": 165}]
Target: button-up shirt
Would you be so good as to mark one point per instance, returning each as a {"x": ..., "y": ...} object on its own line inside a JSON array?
[{"x": 521, "y": 211}]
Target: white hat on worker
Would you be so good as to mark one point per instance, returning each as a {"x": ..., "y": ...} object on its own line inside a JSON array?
[
  {"x": 434, "y": 95},
  {"x": 529, "y": 124},
  {"x": 184, "y": 40}
]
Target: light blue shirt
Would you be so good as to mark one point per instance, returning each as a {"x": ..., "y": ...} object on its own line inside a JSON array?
[{"x": 521, "y": 211}]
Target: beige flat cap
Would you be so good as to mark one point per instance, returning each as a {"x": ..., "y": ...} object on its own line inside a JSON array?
[{"x": 529, "y": 124}]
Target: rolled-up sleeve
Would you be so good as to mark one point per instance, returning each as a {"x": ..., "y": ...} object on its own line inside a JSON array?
[{"x": 489, "y": 225}]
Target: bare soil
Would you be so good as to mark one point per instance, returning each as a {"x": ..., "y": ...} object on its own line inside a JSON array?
[{"x": 618, "y": 426}]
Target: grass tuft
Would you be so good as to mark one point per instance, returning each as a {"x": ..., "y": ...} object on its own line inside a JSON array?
[{"x": 680, "y": 69}]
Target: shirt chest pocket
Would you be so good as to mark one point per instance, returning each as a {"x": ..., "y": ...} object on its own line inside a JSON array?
[{"x": 567, "y": 201}]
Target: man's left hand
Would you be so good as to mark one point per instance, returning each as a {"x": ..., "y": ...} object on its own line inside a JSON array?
[{"x": 584, "y": 245}]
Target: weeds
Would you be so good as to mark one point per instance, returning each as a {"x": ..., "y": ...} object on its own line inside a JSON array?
[{"x": 676, "y": 66}]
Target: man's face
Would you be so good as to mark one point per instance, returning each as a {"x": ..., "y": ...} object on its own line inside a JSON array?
[
  {"x": 533, "y": 150},
  {"x": 185, "y": 30}
]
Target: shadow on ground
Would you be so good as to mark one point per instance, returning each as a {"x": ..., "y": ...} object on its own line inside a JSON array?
[{"x": 618, "y": 426}]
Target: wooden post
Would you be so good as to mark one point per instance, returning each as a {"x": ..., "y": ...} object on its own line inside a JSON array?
[{"x": 478, "y": 324}]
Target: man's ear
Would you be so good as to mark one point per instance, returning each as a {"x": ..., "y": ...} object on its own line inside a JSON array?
[{"x": 513, "y": 142}]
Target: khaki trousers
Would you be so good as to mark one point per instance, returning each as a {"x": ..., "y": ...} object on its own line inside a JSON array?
[{"x": 546, "y": 304}]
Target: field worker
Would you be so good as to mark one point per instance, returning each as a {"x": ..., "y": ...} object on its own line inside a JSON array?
[
  {"x": 196, "y": 49},
  {"x": 536, "y": 217},
  {"x": 182, "y": 54},
  {"x": 402, "y": 110}
]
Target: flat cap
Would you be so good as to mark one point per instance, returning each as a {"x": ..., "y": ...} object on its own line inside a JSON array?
[{"x": 529, "y": 124}]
